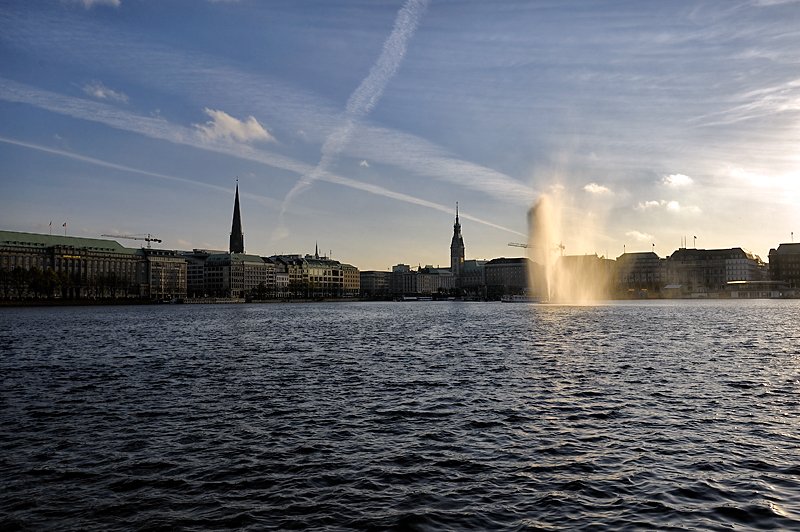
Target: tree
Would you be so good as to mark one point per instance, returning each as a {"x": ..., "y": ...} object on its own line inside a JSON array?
[{"x": 20, "y": 281}]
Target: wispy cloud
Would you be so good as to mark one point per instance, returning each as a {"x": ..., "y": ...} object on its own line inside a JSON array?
[
  {"x": 107, "y": 164},
  {"x": 428, "y": 160},
  {"x": 677, "y": 180},
  {"x": 759, "y": 102},
  {"x": 223, "y": 126},
  {"x": 160, "y": 129},
  {"x": 96, "y": 89},
  {"x": 289, "y": 108},
  {"x": 88, "y": 4},
  {"x": 594, "y": 188}
]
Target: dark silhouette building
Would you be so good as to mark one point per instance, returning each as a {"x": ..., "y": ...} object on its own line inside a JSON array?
[
  {"x": 784, "y": 264},
  {"x": 457, "y": 250},
  {"x": 237, "y": 237}
]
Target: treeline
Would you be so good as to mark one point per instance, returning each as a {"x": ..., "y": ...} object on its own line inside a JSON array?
[{"x": 20, "y": 284}]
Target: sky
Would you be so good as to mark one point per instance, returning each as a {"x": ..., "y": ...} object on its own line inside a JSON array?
[{"x": 357, "y": 125}]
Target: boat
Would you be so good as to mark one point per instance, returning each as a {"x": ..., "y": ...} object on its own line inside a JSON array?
[{"x": 520, "y": 298}]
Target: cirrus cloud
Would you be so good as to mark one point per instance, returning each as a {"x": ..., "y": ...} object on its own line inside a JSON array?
[
  {"x": 88, "y": 4},
  {"x": 96, "y": 89},
  {"x": 223, "y": 126}
]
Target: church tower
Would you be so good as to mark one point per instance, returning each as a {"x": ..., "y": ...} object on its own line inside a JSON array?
[
  {"x": 457, "y": 249},
  {"x": 237, "y": 237}
]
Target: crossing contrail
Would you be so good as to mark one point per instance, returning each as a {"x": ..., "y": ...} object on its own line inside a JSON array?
[{"x": 366, "y": 96}]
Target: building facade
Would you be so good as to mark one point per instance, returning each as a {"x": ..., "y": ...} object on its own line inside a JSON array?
[
  {"x": 506, "y": 276},
  {"x": 65, "y": 267},
  {"x": 375, "y": 283},
  {"x": 784, "y": 265},
  {"x": 167, "y": 274},
  {"x": 706, "y": 272},
  {"x": 457, "y": 250},
  {"x": 639, "y": 274}
]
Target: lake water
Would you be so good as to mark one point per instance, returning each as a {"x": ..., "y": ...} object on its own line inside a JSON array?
[{"x": 650, "y": 415}]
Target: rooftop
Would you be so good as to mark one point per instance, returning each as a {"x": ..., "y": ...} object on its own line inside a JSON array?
[{"x": 39, "y": 241}]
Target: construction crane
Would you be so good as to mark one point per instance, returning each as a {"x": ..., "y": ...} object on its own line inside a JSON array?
[
  {"x": 147, "y": 238},
  {"x": 560, "y": 247}
]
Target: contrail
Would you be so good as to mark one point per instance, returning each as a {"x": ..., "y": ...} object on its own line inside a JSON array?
[
  {"x": 122, "y": 167},
  {"x": 328, "y": 177},
  {"x": 366, "y": 96}
]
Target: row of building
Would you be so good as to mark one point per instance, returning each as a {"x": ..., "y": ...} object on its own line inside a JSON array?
[
  {"x": 692, "y": 273},
  {"x": 36, "y": 265}
]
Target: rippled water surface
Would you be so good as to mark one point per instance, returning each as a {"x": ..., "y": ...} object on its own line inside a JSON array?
[{"x": 425, "y": 415}]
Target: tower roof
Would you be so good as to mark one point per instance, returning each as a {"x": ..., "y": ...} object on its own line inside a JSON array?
[{"x": 237, "y": 237}]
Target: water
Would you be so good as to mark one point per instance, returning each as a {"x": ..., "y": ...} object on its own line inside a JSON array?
[{"x": 402, "y": 415}]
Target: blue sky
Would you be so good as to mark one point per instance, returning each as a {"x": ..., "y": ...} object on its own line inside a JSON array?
[{"x": 359, "y": 125}]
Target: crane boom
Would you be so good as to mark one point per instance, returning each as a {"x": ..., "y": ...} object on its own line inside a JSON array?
[{"x": 146, "y": 237}]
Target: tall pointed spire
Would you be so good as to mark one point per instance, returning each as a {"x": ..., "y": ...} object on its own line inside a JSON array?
[
  {"x": 457, "y": 248},
  {"x": 237, "y": 237}
]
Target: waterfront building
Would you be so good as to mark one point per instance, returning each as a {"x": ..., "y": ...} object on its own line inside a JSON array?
[
  {"x": 425, "y": 281},
  {"x": 432, "y": 280},
  {"x": 167, "y": 274},
  {"x": 315, "y": 276},
  {"x": 195, "y": 271},
  {"x": 236, "y": 275},
  {"x": 457, "y": 249},
  {"x": 74, "y": 267},
  {"x": 375, "y": 283},
  {"x": 323, "y": 276},
  {"x": 639, "y": 274},
  {"x": 506, "y": 276},
  {"x": 351, "y": 281},
  {"x": 706, "y": 272},
  {"x": 473, "y": 277},
  {"x": 401, "y": 283},
  {"x": 758, "y": 289},
  {"x": 784, "y": 265},
  {"x": 281, "y": 278},
  {"x": 232, "y": 274}
]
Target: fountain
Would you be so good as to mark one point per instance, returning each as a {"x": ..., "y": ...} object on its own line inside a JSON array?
[{"x": 556, "y": 278}]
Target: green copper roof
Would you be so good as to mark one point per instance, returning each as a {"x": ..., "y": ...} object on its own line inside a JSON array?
[{"x": 38, "y": 241}]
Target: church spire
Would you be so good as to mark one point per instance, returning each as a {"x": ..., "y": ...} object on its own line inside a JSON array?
[{"x": 237, "y": 237}]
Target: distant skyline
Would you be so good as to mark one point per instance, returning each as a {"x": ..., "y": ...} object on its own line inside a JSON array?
[{"x": 358, "y": 125}]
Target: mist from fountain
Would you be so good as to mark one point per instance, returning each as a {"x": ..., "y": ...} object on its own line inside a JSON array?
[{"x": 555, "y": 278}]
